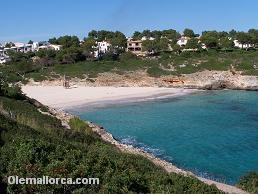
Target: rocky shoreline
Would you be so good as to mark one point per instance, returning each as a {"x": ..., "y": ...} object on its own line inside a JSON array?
[{"x": 106, "y": 136}]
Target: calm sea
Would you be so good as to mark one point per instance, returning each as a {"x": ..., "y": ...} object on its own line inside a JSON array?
[{"x": 213, "y": 134}]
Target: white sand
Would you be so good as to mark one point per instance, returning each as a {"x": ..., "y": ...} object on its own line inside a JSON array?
[{"x": 59, "y": 97}]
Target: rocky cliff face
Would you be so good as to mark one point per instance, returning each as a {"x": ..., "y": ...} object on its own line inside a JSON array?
[{"x": 220, "y": 80}]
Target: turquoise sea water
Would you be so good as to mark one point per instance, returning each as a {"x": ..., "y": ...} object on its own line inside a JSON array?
[{"x": 214, "y": 134}]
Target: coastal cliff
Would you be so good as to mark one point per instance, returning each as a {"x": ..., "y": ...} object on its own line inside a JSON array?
[{"x": 220, "y": 80}]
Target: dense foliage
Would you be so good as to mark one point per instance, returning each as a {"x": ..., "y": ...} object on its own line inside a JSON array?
[
  {"x": 171, "y": 34},
  {"x": 33, "y": 144},
  {"x": 166, "y": 64},
  {"x": 249, "y": 182},
  {"x": 66, "y": 41}
]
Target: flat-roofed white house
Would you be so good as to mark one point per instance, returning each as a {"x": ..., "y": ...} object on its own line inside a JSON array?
[
  {"x": 1, "y": 50},
  {"x": 245, "y": 46},
  {"x": 2, "y": 54},
  {"x": 3, "y": 57},
  {"x": 56, "y": 47},
  {"x": 22, "y": 47},
  {"x": 101, "y": 48},
  {"x": 2, "y": 60},
  {"x": 182, "y": 41},
  {"x": 46, "y": 45}
]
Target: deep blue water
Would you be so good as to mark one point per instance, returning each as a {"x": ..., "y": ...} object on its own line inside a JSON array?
[{"x": 214, "y": 134}]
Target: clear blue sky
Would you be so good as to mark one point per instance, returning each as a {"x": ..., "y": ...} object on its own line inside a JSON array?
[{"x": 22, "y": 20}]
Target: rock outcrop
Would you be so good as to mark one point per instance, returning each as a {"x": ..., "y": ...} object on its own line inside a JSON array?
[{"x": 212, "y": 80}]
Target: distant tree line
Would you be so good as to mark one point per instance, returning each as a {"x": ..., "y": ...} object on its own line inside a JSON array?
[{"x": 162, "y": 40}]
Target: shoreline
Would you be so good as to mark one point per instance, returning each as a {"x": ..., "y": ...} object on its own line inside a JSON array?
[
  {"x": 59, "y": 111},
  {"x": 126, "y": 101}
]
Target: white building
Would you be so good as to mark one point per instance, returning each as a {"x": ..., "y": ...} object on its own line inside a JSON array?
[
  {"x": 45, "y": 45},
  {"x": 35, "y": 46},
  {"x": 55, "y": 47},
  {"x": 1, "y": 50},
  {"x": 101, "y": 48},
  {"x": 239, "y": 45},
  {"x": 22, "y": 47},
  {"x": 135, "y": 47},
  {"x": 146, "y": 38},
  {"x": 3, "y": 57},
  {"x": 182, "y": 41}
]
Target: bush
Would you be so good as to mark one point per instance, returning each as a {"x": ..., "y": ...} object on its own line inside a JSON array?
[
  {"x": 109, "y": 56},
  {"x": 249, "y": 182},
  {"x": 12, "y": 92},
  {"x": 127, "y": 56},
  {"x": 79, "y": 125}
]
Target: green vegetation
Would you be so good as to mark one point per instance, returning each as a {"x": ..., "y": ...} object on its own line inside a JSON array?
[
  {"x": 249, "y": 182},
  {"x": 76, "y": 59},
  {"x": 66, "y": 41},
  {"x": 189, "y": 33},
  {"x": 35, "y": 144},
  {"x": 185, "y": 63},
  {"x": 171, "y": 34}
]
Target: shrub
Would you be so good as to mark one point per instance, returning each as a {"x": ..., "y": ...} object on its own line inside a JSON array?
[{"x": 249, "y": 182}]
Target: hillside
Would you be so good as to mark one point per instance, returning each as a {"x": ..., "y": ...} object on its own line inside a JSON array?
[
  {"x": 161, "y": 65},
  {"x": 205, "y": 70}
]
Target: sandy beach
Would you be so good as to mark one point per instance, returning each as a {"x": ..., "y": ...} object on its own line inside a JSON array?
[{"x": 61, "y": 98}]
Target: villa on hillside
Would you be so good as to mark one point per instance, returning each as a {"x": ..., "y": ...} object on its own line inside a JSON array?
[
  {"x": 19, "y": 47},
  {"x": 135, "y": 47},
  {"x": 46, "y": 45},
  {"x": 35, "y": 46},
  {"x": 182, "y": 41},
  {"x": 3, "y": 57},
  {"x": 24, "y": 48},
  {"x": 101, "y": 48},
  {"x": 245, "y": 46},
  {"x": 55, "y": 47}
]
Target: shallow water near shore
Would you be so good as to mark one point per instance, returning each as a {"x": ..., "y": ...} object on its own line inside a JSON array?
[{"x": 213, "y": 134}]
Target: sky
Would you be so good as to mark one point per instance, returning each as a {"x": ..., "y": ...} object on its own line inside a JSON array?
[{"x": 22, "y": 20}]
